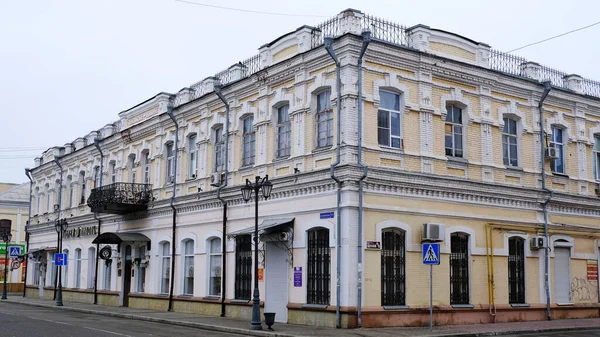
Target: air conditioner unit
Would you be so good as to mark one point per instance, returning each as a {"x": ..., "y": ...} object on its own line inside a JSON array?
[
  {"x": 433, "y": 232},
  {"x": 216, "y": 179},
  {"x": 537, "y": 242},
  {"x": 275, "y": 237},
  {"x": 551, "y": 152}
]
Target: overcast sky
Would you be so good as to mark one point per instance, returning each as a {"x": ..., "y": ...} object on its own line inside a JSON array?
[{"x": 70, "y": 66}]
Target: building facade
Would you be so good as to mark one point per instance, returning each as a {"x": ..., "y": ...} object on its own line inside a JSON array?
[
  {"x": 14, "y": 206},
  {"x": 374, "y": 142}
]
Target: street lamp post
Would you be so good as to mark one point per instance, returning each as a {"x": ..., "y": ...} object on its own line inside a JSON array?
[
  {"x": 6, "y": 238},
  {"x": 60, "y": 225},
  {"x": 266, "y": 186}
]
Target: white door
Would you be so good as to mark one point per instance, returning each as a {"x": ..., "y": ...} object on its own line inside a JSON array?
[
  {"x": 562, "y": 275},
  {"x": 276, "y": 281}
]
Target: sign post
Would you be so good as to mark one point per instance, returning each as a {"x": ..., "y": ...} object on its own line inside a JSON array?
[{"x": 431, "y": 256}]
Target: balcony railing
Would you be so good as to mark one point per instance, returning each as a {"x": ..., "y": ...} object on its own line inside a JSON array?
[{"x": 120, "y": 198}]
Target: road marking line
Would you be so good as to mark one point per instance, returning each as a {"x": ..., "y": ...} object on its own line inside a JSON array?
[
  {"x": 114, "y": 333},
  {"x": 48, "y": 320}
]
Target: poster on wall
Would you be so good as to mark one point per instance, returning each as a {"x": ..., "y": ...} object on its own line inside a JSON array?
[
  {"x": 2, "y": 266},
  {"x": 23, "y": 267}
]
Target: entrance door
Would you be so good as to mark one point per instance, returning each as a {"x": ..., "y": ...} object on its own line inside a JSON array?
[
  {"x": 562, "y": 275},
  {"x": 127, "y": 276},
  {"x": 276, "y": 278}
]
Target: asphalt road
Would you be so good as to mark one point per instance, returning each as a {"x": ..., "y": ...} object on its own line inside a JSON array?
[
  {"x": 25, "y": 321},
  {"x": 578, "y": 333}
]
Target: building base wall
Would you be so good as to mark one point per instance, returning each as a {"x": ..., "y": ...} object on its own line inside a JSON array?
[{"x": 12, "y": 287}]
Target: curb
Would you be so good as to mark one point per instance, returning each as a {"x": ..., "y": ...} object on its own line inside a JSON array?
[
  {"x": 245, "y": 332},
  {"x": 201, "y": 326}
]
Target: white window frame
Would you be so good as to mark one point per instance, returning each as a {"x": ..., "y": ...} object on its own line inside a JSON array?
[
  {"x": 165, "y": 268},
  {"x": 507, "y": 135},
  {"x": 248, "y": 138},
  {"x": 596, "y": 151},
  {"x": 452, "y": 123},
  {"x": 140, "y": 282},
  {"x": 65, "y": 271},
  {"x": 211, "y": 254},
  {"x": 77, "y": 271},
  {"x": 187, "y": 262},
  {"x": 192, "y": 157},
  {"x": 560, "y": 148},
  {"x": 70, "y": 187},
  {"x": 324, "y": 126},
  {"x": 284, "y": 131},
  {"x": 96, "y": 176},
  {"x": 107, "y": 273},
  {"x": 112, "y": 169},
  {"x": 82, "y": 184},
  {"x": 146, "y": 158},
  {"x": 170, "y": 169},
  {"x": 131, "y": 168},
  {"x": 91, "y": 257},
  {"x": 390, "y": 112},
  {"x": 219, "y": 149}
]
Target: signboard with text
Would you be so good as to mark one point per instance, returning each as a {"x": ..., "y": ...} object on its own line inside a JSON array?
[{"x": 297, "y": 276}]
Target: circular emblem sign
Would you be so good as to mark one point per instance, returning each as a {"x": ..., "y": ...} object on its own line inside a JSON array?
[
  {"x": 105, "y": 253},
  {"x": 15, "y": 264}
]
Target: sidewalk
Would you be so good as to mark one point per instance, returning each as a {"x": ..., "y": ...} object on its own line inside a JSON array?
[{"x": 240, "y": 327}]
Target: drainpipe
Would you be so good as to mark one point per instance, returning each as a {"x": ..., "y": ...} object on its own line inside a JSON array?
[
  {"x": 173, "y": 242},
  {"x": 217, "y": 89},
  {"x": 59, "y": 246},
  {"x": 28, "y": 174},
  {"x": 97, "y": 145},
  {"x": 366, "y": 40},
  {"x": 329, "y": 47},
  {"x": 547, "y": 88}
]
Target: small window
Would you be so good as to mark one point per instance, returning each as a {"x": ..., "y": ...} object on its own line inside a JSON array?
[
  {"x": 65, "y": 271},
  {"x": 170, "y": 163},
  {"x": 243, "y": 267},
  {"x": 516, "y": 270},
  {"x": 318, "y": 267},
  {"x": 77, "y": 274},
  {"x": 249, "y": 139},
  {"x": 597, "y": 157},
  {"x": 219, "y": 149},
  {"x": 393, "y": 274},
  {"x": 324, "y": 119},
  {"x": 284, "y": 131},
  {"x": 193, "y": 157},
  {"x": 459, "y": 268},
  {"x": 131, "y": 168},
  {"x": 165, "y": 273},
  {"x": 113, "y": 172},
  {"x": 83, "y": 187},
  {"x": 388, "y": 120},
  {"x": 558, "y": 165},
  {"x": 96, "y": 177},
  {"x": 188, "y": 268},
  {"x": 214, "y": 287},
  {"x": 509, "y": 142},
  {"x": 454, "y": 132}
]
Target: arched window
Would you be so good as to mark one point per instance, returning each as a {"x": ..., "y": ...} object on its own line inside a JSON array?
[
  {"x": 243, "y": 267},
  {"x": 77, "y": 273},
  {"x": 454, "y": 131},
  {"x": 249, "y": 141},
  {"x": 188, "y": 267},
  {"x": 510, "y": 149},
  {"x": 91, "y": 267},
  {"x": 393, "y": 266},
  {"x": 165, "y": 274},
  {"x": 65, "y": 271},
  {"x": 516, "y": 270},
  {"x": 318, "y": 267},
  {"x": 170, "y": 169},
  {"x": 214, "y": 282},
  {"x": 459, "y": 268}
]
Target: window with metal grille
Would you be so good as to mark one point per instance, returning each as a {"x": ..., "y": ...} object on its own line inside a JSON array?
[
  {"x": 459, "y": 268},
  {"x": 284, "y": 131},
  {"x": 319, "y": 261},
  {"x": 249, "y": 137},
  {"x": 243, "y": 267},
  {"x": 393, "y": 274},
  {"x": 516, "y": 270},
  {"x": 509, "y": 142},
  {"x": 324, "y": 119},
  {"x": 454, "y": 131}
]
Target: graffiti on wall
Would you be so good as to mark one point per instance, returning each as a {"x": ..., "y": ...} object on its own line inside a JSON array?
[{"x": 584, "y": 290}]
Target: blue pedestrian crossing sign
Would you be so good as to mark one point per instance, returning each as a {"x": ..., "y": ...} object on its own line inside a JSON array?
[
  {"x": 60, "y": 259},
  {"x": 14, "y": 251},
  {"x": 431, "y": 253}
]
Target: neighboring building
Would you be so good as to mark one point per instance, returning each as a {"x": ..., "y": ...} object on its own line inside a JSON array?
[
  {"x": 14, "y": 206},
  {"x": 451, "y": 140}
]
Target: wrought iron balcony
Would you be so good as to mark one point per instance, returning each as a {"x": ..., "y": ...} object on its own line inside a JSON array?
[{"x": 120, "y": 198}]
